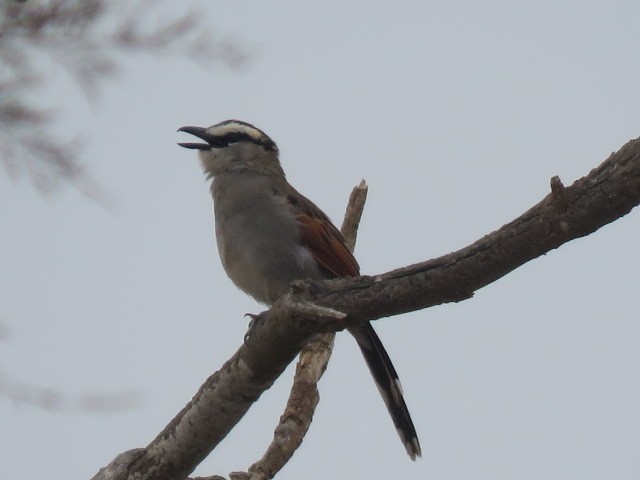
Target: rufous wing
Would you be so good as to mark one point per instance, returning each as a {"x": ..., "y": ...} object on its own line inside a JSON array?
[{"x": 323, "y": 239}]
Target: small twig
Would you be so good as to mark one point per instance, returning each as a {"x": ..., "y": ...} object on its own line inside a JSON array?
[{"x": 352, "y": 216}]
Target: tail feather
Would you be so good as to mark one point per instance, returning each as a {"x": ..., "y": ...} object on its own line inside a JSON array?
[{"x": 389, "y": 386}]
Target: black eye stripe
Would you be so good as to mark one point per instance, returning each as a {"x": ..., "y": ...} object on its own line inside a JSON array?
[{"x": 237, "y": 137}]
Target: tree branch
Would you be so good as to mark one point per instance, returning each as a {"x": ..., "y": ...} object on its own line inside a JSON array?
[{"x": 607, "y": 193}]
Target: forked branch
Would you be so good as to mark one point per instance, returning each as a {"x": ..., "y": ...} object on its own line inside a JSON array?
[{"x": 607, "y": 193}]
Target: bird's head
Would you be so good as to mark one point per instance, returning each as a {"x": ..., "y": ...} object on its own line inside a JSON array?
[{"x": 234, "y": 146}]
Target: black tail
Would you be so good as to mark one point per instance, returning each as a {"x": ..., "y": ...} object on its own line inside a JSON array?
[{"x": 389, "y": 386}]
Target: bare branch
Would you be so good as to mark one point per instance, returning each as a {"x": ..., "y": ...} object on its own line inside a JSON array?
[
  {"x": 607, "y": 193},
  {"x": 353, "y": 215}
]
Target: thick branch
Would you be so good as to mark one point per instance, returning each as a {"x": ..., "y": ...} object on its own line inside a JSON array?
[{"x": 607, "y": 193}]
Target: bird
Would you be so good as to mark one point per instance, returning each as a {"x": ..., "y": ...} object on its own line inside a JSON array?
[{"x": 269, "y": 235}]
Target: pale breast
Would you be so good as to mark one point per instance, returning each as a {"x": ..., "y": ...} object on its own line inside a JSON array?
[{"x": 257, "y": 238}]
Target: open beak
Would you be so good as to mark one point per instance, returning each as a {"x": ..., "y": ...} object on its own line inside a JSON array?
[{"x": 200, "y": 133}]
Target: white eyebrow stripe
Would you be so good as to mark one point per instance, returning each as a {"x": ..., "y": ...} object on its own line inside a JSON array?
[{"x": 226, "y": 128}]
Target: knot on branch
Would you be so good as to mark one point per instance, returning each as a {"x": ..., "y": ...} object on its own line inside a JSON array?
[{"x": 559, "y": 205}]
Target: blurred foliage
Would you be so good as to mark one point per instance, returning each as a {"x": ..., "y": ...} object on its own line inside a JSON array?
[{"x": 87, "y": 38}]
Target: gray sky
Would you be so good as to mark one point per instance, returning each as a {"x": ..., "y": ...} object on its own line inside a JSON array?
[{"x": 457, "y": 114}]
